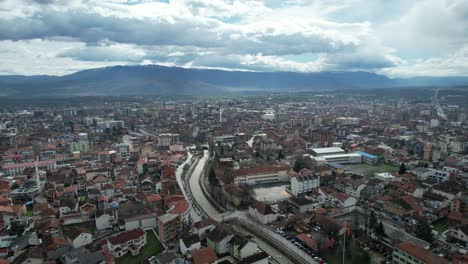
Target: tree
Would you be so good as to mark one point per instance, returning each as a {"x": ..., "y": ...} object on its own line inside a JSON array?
[
  {"x": 212, "y": 176},
  {"x": 372, "y": 221},
  {"x": 280, "y": 155},
  {"x": 402, "y": 169},
  {"x": 424, "y": 231},
  {"x": 297, "y": 166},
  {"x": 379, "y": 230}
]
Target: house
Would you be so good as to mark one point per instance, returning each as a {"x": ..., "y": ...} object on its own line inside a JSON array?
[
  {"x": 55, "y": 246},
  {"x": 204, "y": 256},
  {"x": 303, "y": 182},
  {"x": 262, "y": 212},
  {"x": 218, "y": 239},
  {"x": 459, "y": 234},
  {"x": 408, "y": 252},
  {"x": 350, "y": 186},
  {"x": 128, "y": 241},
  {"x": 145, "y": 221},
  {"x": 33, "y": 255},
  {"x": 241, "y": 248},
  {"x": 188, "y": 244},
  {"x": 344, "y": 200},
  {"x": 80, "y": 237},
  {"x": 203, "y": 227},
  {"x": 259, "y": 258},
  {"x": 103, "y": 220},
  {"x": 83, "y": 255},
  {"x": 302, "y": 205}
]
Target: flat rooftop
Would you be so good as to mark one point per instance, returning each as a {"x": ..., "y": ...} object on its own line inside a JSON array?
[{"x": 322, "y": 151}]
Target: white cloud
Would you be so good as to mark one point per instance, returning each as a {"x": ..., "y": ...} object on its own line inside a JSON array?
[{"x": 398, "y": 38}]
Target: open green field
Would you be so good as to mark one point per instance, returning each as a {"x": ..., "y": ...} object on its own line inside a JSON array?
[
  {"x": 90, "y": 226},
  {"x": 152, "y": 247}
]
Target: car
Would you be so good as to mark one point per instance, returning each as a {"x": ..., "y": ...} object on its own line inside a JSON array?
[{"x": 316, "y": 258}]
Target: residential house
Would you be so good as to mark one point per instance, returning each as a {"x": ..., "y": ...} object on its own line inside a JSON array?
[
  {"x": 80, "y": 237},
  {"x": 241, "y": 248},
  {"x": 126, "y": 242},
  {"x": 83, "y": 255},
  {"x": 262, "y": 212},
  {"x": 350, "y": 186},
  {"x": 218, "y": 239},
  {"x": 203, "y": 227},
  {"x": 188, "y": 244},
  {"x": 204, "y": 256}
]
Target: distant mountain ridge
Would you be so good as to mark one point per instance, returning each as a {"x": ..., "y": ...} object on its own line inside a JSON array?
[{"x": 161, "y": 80}]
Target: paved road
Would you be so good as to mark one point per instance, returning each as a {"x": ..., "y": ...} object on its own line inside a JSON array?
[
  {"x": 195, "y": 188},
  {"x": 179, "y": 172},
  {"x": 267, "y": 235}
]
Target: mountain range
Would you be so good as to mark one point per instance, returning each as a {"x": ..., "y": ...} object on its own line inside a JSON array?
[{"x": 161, "y": 80}]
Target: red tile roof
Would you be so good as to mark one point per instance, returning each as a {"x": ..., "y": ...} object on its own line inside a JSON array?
[
  {"x": 204, "y": 256},
  {"x": 123, "y": 237},
  {"x": 421, "y": 253},
  {"x": 311, "y": 243}
]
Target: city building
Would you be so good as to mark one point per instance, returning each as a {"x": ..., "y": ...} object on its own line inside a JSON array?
[
  {"x": 126, "y": 242},
  {"x": 409, "y": 253},
  {"x": 303, "y": 182},
  {"x": 169, "y": 226},
  {"x": 262, "y": 212}
]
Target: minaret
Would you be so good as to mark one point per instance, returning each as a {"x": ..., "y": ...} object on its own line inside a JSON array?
[
  {"x": 37, "y": 173},
  {"x": 221, "y": 115}
]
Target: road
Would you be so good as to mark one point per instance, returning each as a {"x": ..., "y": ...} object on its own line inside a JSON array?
[
  {"x": 196, "y": 191},
  {"x": 179, "y": 173},
  {"x": 272, "y": 242}
]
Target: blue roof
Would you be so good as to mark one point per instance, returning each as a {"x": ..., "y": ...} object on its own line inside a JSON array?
[
  {"x": 362, "y": 153},
  {"x": 335, "y": 165}
]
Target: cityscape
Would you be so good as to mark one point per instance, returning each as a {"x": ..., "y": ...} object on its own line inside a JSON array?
[
  {"x": 278, "y": 178},
  {"x": 233, "y": 132}
]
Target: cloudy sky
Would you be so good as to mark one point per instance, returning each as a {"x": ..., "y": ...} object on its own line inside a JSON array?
[{"x": 398, "y": 38}]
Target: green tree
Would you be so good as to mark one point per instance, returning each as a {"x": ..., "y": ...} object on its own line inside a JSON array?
[
  {"x": 379, "y": 230},
  {"x": 402, "y": 169},
  {"x": 212, "y": 176},
  {"x": 280, "y": 155},
  {"x": 372, "y": 221},
  {"x": 424, "y": 231}
]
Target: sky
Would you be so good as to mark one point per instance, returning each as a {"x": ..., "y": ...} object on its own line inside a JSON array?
[{"x": 397, "y": 38}]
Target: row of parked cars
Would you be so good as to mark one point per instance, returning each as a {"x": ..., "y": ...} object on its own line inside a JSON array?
[{"x": 298, "y": 243}]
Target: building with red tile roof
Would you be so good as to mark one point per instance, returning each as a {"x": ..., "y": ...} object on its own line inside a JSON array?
[
  {"x": 128, "y": 241},
  {"x": 204, "y": 256}
]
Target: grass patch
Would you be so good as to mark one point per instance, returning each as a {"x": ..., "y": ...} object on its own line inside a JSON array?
[
  {"x": 90, "y": 226},
  {"x": 388, "y": 168},
  {"x": 152, "y": 247},
  {"x": 29, "y": 211},
  {"x": 440, "y": 226}
]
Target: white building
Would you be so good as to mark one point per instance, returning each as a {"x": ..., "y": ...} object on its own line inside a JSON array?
[
  {"x": 340, "y": 158},
  {"x": 384, "y": 176},
  {"x": 304, "y": 182},
  {"x": 262, "y": 212},
  {"x": 128, "y": 241},
  {"x": 318, "y": 152},
  {"x": 79, "y": 238},
  {"x": 123, "y": 151},
  {"x": 146, "y": 221},
  {"x": 259, "y": 175},
  {"x": 166, "y": 139}
]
